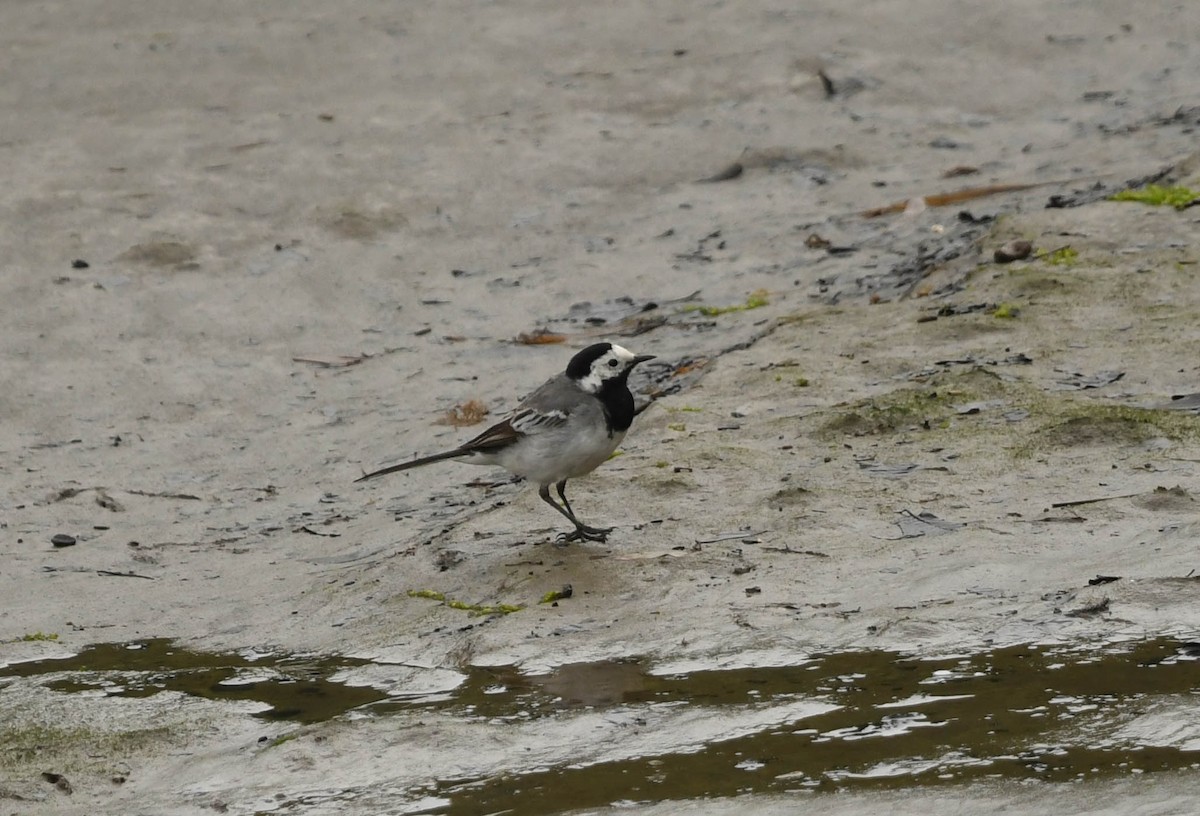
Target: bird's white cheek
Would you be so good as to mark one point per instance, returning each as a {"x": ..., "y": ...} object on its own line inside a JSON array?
[{"x": 591, "y": 383}]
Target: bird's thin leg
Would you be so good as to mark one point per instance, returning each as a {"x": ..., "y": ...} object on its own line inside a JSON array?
[
  {"x": 544, "y": 492},
  {"x": 562, "y": 494},
  {"x": 598, "y": 532},
  {"x": 582, "y": 531}
]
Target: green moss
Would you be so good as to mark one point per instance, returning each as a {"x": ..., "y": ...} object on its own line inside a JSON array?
[
  {"x": 662, "y": 464},
  {"x": 40, "y": 636},
  {"x": 1034, "y": 279},
  {"x": 1063, "y": 256},
  {"x": 27, "y": 744},
  {"x": 926, "y": 408},
  {"x": 69, "y": 749},
  {"x": 899, "y": 410},
  {"x": 790, "y": 496},
  {"x": 485, "y": 609},
  {"x": 677, "y": 426},
  {"x": 1157, "y": 196},
  {"x": 1100, "y": 424},
  {"x": 1086, "y": 423},
  {"x": 474, "y": 609},
  {"x": 867, "y": 419},
  {"x": 800, "y": 382},
  {"x": 1022, "y": 420},
  {"x": 1086, "y": 430},
  {"x": 1006, "y": 311},
  {"x": 555, "y": 595},
  {"x": 756, "y": 300}
]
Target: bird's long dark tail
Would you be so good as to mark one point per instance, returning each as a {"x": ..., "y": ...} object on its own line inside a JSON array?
[{"x": 424, "y": 460}]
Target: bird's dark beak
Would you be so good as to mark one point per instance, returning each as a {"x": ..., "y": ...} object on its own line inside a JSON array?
[{"x": 641, "y": 358}]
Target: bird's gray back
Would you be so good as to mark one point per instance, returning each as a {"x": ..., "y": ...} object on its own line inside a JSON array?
[{"x": 559, "y": 393}]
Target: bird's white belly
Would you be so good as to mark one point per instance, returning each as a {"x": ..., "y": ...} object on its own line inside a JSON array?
[{"x": 550, "y": 457}]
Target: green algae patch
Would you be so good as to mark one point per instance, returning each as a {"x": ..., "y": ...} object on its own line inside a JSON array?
[
  {"x": 757, "y": 299},
  {"x": 556, "y": 595},
  {"x": 940, "y": 405},
  {"x": 1036, "y": 280},
  {"x": 1086, "y": 430},
  {"x": 1098, "y": 424},
  {"x": 871, "y": 419},
  {"x": 1157, "y": 196},
  {"x": 40, "y": 636},
  {"x": 900, "y": 410},
  {"x": 474, "y": 609},
  {"x": 32, "y": 743},
  {"x": 1063, "y": 256},
  {"x": 789, "y": 497},
  {"x": 1006, "y": 311},
  {"x": 485, "y": 609},
  {"x": 28, "y": 743}
]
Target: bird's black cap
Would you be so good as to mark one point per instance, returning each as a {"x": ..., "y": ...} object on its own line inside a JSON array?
[{"x": 581, "y": 363}]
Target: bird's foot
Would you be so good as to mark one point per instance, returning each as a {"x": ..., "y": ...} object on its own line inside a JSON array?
[{"x": 585, "y": 533}]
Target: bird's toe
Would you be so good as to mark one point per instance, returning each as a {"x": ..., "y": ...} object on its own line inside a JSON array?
[{"x": 584, "y": 533}]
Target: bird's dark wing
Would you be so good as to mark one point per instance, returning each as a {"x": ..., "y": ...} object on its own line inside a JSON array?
[
  {"x": 499, "y": 436},
  {"x": 529, "y": 421},
  {"x": 524, "y": 422}
]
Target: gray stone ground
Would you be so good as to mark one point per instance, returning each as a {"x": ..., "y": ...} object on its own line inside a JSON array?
[{"x": 257, "y": 187}]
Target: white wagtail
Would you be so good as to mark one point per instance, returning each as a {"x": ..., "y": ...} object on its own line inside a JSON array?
[{"x": 566, "y": 428}]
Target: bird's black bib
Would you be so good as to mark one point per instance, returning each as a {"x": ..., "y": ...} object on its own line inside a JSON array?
[{"x": 618, "y": 405}]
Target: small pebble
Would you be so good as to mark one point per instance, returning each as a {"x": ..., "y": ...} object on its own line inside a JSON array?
[
  {"x": 1013, "y": 251},
  {"x": 79, "y": 263},
  {"x": 731, "y": 172},
  {"x": 945, "y": 143},
  {"x": 63, "y": 540}
]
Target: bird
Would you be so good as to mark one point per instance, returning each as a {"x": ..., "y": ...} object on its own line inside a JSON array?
[{"x": 567, "y": 428}]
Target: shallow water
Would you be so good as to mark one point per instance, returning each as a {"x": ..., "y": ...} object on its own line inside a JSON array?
[
  {"x": 1017, "y": 713},
  {"x": 296, "y": 687}
]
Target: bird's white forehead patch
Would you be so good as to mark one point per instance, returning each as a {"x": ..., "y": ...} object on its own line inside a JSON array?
[
  {"x": 603, "y": 368},
  {"x": 623, "y": 354}
]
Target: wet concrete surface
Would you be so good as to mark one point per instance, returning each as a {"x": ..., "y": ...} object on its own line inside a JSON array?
[{"x": 255, "y": 251}]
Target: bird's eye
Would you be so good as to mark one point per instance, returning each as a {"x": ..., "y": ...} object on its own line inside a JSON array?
[{"x": 612, "y": 363}]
